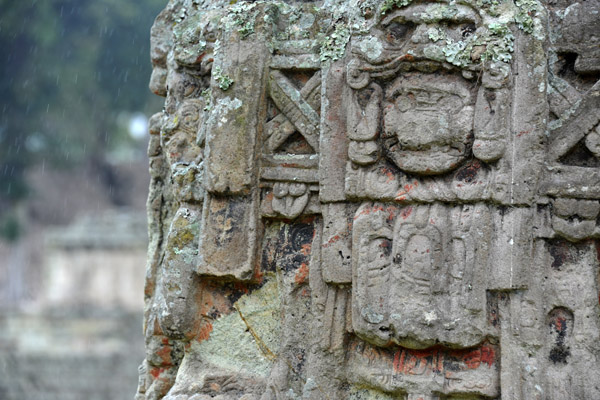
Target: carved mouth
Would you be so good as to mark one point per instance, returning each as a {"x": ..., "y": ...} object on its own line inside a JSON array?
[
  {"x": 454, "y": 150},
  {"x": 206, "y": 66},
  {"x": 428, "y": 159},
  {"x": 405, "y": 63}
]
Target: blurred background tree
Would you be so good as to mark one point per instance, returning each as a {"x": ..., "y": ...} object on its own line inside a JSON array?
[{"x": 69, "y": 69}]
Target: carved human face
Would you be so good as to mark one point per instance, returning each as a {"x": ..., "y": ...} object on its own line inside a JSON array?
[
  {"x": 179, "y": 132},
  {"x": 427, "y": 122},
  {"x": 429, "y": 98}
]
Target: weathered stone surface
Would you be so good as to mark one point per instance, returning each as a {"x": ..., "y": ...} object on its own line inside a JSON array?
[{"x": 374, "y": 199}]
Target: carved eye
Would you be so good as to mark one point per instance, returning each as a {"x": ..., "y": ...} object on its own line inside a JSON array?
[
  {"x": 189, "y": 118},
  {"x": 210, "y": 36},
  {"x": 188, "y": 89},
  {"x": 397, "y": 31},
  {"x": 404, "y": 102},
  {"x": 467, "y": 30}
]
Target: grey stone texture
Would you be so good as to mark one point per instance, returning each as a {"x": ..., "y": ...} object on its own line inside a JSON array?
[{"x": 374, "y": 199}]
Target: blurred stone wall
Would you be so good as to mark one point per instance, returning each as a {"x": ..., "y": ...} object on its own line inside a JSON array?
[{"x": 78, "y": 336}]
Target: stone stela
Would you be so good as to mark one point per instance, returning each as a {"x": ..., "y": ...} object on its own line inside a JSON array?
[{"x": 374, "y": 199}]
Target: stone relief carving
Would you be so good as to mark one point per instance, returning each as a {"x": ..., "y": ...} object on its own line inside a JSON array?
[{"x": 374, "y": 200}]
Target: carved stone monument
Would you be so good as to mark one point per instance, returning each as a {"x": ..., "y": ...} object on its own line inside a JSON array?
[{"x": 374, "y": 199}]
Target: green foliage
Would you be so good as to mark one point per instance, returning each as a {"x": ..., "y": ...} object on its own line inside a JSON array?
[
  {"x": 69, "y": 68},
  {"x": 10, "y": 229}
]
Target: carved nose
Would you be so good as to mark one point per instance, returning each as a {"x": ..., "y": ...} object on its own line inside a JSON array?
[{"x": 420, "y": 35}]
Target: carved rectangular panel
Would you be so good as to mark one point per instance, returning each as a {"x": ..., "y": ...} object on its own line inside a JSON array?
[
  {"x": 437, "y": 369},
  {"x": 419, "y": 273},
  {"x": 334, "y": 142},
  {"x": 510, "y": 263},
  {"x": 229, "y": 237},
  {"x": 336, "y": 251},
  {"x": 234, "y": 126}
]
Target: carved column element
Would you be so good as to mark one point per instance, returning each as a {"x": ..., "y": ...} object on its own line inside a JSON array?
[{"x": 374, "y": 199}]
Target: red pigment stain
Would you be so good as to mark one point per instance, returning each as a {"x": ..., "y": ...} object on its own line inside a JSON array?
[
  {"x": 522, "y": 133},
  {"x": 240, "y": 287},
  {"x": 411, "y": 362},
  {"x": 204, "y": 332},
  {"x": 332, "y": 240},
  {"x": 165, "y": 355},
  {"x": 291, "y": 165},
  {"x": 392, "y": 213},
  {"x": 558, "y": 324},
  {"x": 306, "y": 248},
  {"x": 389, "y": 173},
  {"x": 155, "y": 372},
  {"x": 200, "y": 57},
  {"x": 365, "y": 211},
  {"x": 407, "y": 188},
  {"x": 258, "y": 275},
  {"x": 405, "y": 213},
  {"x": 488, "y": 355},
  {"x": 302, "y": 274},
  {"x": 390, "y": 210},
  {"x": 472, "y": 359}
]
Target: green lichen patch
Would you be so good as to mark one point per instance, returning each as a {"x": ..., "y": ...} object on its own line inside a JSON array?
[
  {"x": 188, "y": 39},
  {"x": 389, "y": 5},
  {"x": 367, "y": 8},
  {"x": 492, "y": 7},
  {"x": 223, "y": 80},
  {"x": 458, "y": 53},
  {"x": 439, "y": 12},
  {"x": 241, "y": 17},
  {"x": 495, "y": 44},
  {"x": 436, "y": 34},
  {"x": 527, "y": 10},
  {"x": 333, "y": 47},
  {"x": 260, "y": 310},
  {"x": 499, "y": 44},
  {"x": 360, "y": 393},
  {"x": 206, "y": 96}
]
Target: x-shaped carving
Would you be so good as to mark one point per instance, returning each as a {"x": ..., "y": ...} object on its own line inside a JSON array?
[
  {"x": 297, "y": 110},
  {"x": 578, "y": 125}
]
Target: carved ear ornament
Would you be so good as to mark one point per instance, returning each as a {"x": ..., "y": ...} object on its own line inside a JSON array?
[{"x": 289, "y": 198}]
